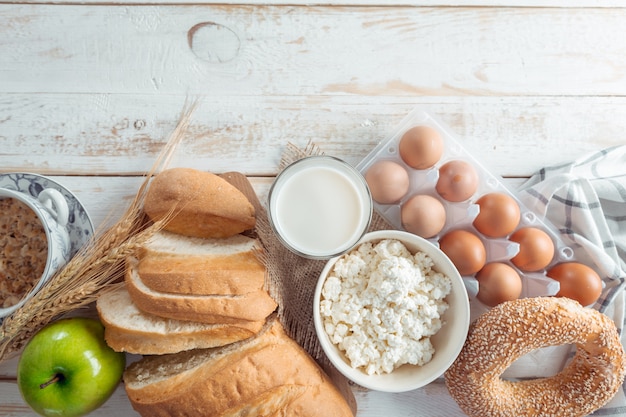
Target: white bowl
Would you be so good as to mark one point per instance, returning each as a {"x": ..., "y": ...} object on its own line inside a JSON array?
[{"x": 448, "y": 342}]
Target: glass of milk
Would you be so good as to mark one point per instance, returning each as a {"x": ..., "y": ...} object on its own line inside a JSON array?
[{"x": 320, "y": 207}]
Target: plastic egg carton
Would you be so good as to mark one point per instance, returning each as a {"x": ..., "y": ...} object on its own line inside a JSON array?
[{"x": 461, "y": 215}]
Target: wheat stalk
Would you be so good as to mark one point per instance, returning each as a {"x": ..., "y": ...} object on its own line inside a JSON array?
[{"x": 96, "y": 267}]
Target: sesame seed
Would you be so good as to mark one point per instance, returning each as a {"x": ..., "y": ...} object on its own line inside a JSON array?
[{"x": 512, "y": 329}]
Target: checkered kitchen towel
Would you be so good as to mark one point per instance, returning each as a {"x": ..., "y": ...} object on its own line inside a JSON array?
[{"x": 586, "y": 201}]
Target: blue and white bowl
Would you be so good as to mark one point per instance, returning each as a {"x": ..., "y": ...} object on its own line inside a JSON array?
[{"x": 64, "y": 220}]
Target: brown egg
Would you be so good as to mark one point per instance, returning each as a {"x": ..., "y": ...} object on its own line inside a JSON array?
[
  {"x": 499, "y": 215},
  {"x": 497, "y": 283},
  {"x": 578, "y": 282},
  {"x": 536, "y": 249},
  {"x": 423, "y": 215},
  {"x": 421, "y": 147},
  {"x": 388, "y": 181},
  {"x": 465, "y": 250},
  {"x": 458, "y": 181}
]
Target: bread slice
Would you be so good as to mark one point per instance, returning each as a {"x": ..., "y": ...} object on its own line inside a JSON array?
[
  {"x": 228, "y": 381},
  {"x": 174, "y": 244},
  {"x": 174, "y": 263},
  {"x": 128, "y": 329},
  {"x": 216, "y": 309},
  {"x": 198, "y": 203}
]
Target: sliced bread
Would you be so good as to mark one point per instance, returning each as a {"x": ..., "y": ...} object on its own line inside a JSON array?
[
  {"x": 170, "y": 243},
  {"x": 235, "y": 379},
  {"x": 174, "y": 263},
  {"x": 216, "y": 309},
  {"x": 128, "y": 329},
  {"x": 198, "y": 203}
]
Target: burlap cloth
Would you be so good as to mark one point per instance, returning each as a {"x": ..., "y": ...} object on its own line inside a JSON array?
[{"x": 292, "y": 278}]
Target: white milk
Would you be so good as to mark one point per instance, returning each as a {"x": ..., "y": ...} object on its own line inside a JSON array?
[{"x": 320, "y": 207}]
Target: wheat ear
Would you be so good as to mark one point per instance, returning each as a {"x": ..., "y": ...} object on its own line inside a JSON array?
[{"x": 96, "y": 266}]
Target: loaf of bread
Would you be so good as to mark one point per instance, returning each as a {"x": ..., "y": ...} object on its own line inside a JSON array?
[
  {"x": 128, "y": 329},
  {"x": 179, "y": 264},
  {"x": 266, "y": 375},
  {"x": 198, "y": 203},
  {"x": 215, "y": 309},
  {"x": 194, "y": 303}
]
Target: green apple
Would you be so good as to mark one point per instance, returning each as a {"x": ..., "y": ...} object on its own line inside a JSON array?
[{"x": 67, "y": 369}]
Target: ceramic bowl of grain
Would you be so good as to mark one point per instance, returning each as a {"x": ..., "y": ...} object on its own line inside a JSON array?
[{"x": 34, "y": 244}]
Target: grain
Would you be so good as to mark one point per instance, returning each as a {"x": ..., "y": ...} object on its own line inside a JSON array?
[{"x": 23, "y": 251}]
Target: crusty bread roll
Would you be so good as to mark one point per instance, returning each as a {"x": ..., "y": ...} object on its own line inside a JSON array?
[
  {"x": 198, "y": 203},
  {"x": 269, "y": 374},
  {"x": 128, "y": 329},
  {"x": 174, "y": 263},
  {"x": 217, "y": 309}
]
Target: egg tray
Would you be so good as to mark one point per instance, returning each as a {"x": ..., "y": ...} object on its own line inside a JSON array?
[{"x": 460, "y": 215}]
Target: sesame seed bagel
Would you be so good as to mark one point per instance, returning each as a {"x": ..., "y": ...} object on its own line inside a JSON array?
[{"x": 512, "y": 329}]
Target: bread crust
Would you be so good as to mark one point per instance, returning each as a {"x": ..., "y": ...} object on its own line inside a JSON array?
[
  {"x": 198, "y": 203},
  {"x": 243, "y": 375},
  {"x": 272, "y": 402},
  {"x": 229, "y": 309},
  {"x": 121, "y": 340},
  {"x": 128, "y": 329},
  {"x": 234, "y": 274}
]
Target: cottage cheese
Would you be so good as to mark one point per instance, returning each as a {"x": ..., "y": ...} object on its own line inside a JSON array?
[{"x": 380, "y": 304}]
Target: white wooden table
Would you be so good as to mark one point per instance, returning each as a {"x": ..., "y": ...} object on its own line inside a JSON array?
[{"x": 90, "y": 91}]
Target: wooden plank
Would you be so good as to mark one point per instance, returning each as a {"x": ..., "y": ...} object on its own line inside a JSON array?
[
  {"x": 106, "y": 198},
  {"x": 93, "y": 134},
  {"x": 221, "y": 50},
  {"x": 370, "y": 403},
  {"x": 415, "y": 3},
  {"x": 431, "y": 400},
  {"x": 13, "y": 405}
]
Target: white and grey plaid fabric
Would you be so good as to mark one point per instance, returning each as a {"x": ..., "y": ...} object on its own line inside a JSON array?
[{"x": 586, "y": 201}]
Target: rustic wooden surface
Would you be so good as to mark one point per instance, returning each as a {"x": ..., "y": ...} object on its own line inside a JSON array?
[{"x": 90, "y": 91}]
